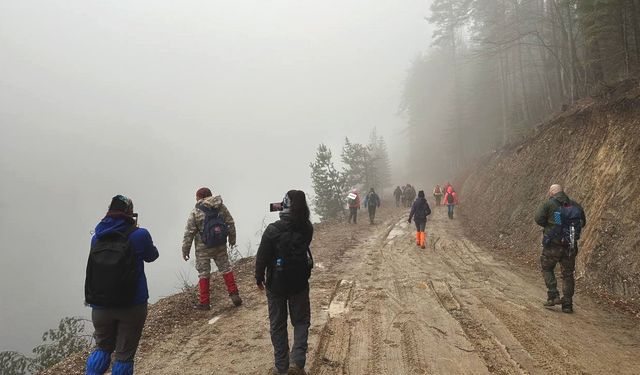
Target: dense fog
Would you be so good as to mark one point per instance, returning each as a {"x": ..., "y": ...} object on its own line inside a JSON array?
[{"x": 154, "y": 99}]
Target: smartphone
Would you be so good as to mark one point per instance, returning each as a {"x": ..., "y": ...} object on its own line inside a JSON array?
[{"x": 275, "y": 206}]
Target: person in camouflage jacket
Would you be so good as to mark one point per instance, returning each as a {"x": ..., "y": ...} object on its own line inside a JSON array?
[
  {"x": 555, "y": 252},
  {"x": 204, "y": 255}
]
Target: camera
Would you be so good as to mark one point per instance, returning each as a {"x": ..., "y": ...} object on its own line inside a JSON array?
[{"x": 273, "y": 207}]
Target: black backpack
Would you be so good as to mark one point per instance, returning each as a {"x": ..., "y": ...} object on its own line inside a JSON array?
[
  {"x": 214, "y": 230},
  {"x": 111, "y": 277},
  {"x": 450, "y": 198},
  {"x": 293, "y": 261}
]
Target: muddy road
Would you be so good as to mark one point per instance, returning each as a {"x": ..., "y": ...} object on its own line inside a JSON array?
[{"x": 381, "y": 305}]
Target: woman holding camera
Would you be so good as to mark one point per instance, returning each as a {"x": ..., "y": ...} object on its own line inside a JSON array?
[{"x": 285, "y": 255}]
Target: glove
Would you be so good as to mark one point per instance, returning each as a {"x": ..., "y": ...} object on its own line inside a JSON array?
[{"x": 409, "y": 221}]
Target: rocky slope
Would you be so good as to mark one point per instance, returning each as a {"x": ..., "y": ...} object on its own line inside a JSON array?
[{"x": 593, "y": 149}]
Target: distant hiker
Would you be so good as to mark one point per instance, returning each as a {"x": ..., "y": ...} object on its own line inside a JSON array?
[
  {"x": 437, "y": 194},
  {"x": 211, "y": 226},
  {"x": 285, "y": 254},
  {"x": 353, "y": 200},
  {"x": 372, "y": 202},
  {"x": 406, "y": 192},
  {"x": 397, "y": 194},
  {"x": 451, "y": 200},
  {"x": 419, "y": 211},
  {"x": 410, "y": 195},
  {"x": 562, "y": 220},
  {"x": 116, "y": 287}
]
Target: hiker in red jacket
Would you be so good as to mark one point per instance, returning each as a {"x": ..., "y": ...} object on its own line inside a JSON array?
[
  {"x": 353, "y": 199},
  {"x": 451, "y": 200}
]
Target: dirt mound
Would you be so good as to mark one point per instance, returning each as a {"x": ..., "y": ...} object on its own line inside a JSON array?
[{"x": 593, "y": 149}]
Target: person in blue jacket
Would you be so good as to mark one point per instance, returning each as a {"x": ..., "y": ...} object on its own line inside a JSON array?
[{"x": 118, "y": 329}]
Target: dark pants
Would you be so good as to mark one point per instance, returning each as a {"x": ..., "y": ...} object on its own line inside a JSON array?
[
  {"x": 119, "y": 330},
  {"x": 353, "y": 214},
  {"x": 551, "y": 255},
  {"x": 438, "y": 199},
  {"x": 300, "y": 313},
  {"x": 372, "y": 213},
  {"x": 420, "y": 226},
  {"x": 397, "y": 201},
  {"x": 450, "y": 210}
]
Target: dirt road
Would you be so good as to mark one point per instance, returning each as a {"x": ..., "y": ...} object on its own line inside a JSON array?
[{"x": 384, "y": 306}]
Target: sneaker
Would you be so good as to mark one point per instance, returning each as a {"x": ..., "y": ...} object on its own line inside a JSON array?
[
  {"x": 567, "y": 309},
  {"x": 202, "y": 306},
  {"x": 553, "y": 302},
  {"x": 235, "y": 298},
  {"x": 296, "y": 370}
]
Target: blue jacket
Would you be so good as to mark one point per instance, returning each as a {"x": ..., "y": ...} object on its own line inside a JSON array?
[{"x": 143, "y": 246}]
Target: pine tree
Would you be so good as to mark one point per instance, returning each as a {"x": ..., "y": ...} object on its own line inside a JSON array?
[
  {"x": 356, "y": 159},
  {"x": 328, "y": 185}
]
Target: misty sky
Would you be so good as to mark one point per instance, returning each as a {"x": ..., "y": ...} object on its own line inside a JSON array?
[{"x": 153, "y": 99}]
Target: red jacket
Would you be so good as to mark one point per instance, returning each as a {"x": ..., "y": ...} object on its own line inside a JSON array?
[
  {"x": 453, "y": 194},
  {"x": 356, "y": 202}
]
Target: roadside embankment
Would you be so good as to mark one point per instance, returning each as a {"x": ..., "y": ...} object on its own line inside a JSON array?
[{"x": 593, "y": 149}]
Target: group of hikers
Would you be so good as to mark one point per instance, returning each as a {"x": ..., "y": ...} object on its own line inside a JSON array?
[
  {"x": 371, "y": 203},
  {"x": 404, "y": 196},
  {"x": 116, "y": 285}
]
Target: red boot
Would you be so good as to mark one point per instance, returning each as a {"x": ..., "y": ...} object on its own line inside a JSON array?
[
  {"x": 204, "y": 303},
  {"x": 232, "y": 288},
  {"x": 417, "y": 238}
]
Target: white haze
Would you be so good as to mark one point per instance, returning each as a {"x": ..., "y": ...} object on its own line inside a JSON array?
[{"x": 153, "y": 99}]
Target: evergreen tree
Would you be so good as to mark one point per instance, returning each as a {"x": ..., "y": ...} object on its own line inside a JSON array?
[
  {"x": 14, "y": 363},
  {"x": 67, "y": 339},
  {"x": 357, "y": 161},
  {"x": 328, "y": 185}
]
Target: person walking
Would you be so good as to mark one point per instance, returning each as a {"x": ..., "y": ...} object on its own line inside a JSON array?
[
  {"x": 118, "y": 295},
  {"x": 284, "y": 253},
  {"x": 353, "y": 200},
  {"x": 372, "y": 202},
  {"x": 419, "y": 211},
  {"x": 437, "y": 194},
  {"x": 210, "y": 225},
  {"x": 397, "y": 194},
  {"x": 562, "y": 220},
  {"x": 451, "y": 200}
]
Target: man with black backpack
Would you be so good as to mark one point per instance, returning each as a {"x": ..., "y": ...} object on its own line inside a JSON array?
[
  {"x": 211, "y": 226},
  {"x": 562, "y": 220},
  {"x": 372, "y": 202},
  {"x": 116, "y": 287},
  {"x": 285, "y": 255}
]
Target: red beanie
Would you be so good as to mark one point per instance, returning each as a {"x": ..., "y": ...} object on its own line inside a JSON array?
[{"x": 203, "y": 193}]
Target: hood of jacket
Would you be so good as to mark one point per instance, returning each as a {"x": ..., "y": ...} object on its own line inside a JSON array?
[
  {"x": 213, "y": 201},
  {"x": 561, "y": 197},
  {"x": 110, "y": 225}
]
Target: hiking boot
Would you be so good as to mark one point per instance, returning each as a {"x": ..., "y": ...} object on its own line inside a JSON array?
[
  {"x": 296, "y": 370},
  {"x": 567, "y": 309},
  {"x": 235, "y": 298},
  {"x": 202, "y": 306},
  {"x": 274, "y": 371},
  {"x": 553, "y": 302}
]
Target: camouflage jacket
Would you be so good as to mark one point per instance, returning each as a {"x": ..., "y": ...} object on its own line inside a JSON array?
[
  {"x": 544, "y": 215},
  {"x": 196, "y": 222}
]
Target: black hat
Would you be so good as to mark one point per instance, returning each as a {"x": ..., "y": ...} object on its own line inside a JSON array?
[{"x": 120, "y": 203}]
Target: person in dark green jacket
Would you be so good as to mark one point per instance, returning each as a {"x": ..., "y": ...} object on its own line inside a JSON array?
[{"x": 555, "y": 252}]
